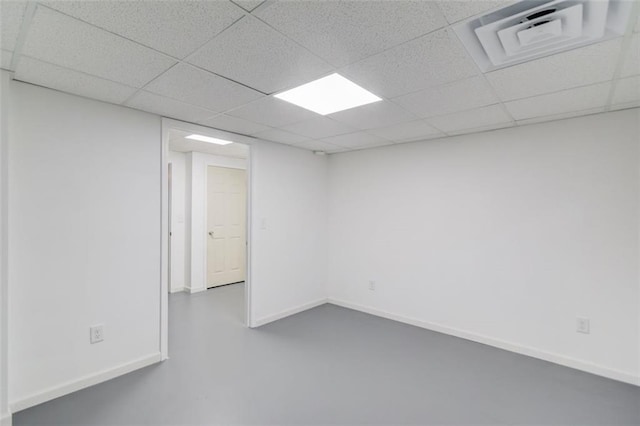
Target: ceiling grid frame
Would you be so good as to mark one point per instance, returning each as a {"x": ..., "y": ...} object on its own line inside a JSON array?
[
  {"x": 624, "y": 50},
  {"x": 29, "y": 12},
  {"x": 269, "y": 3},
  {"x": 245, "y": 14},
  {"x": 177, "y": 60}
]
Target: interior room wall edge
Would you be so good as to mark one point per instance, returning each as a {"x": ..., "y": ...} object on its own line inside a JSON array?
[
  {"x": 556, "y": 358},
  {"x": 83, "y": 382},
  {"x": 5, "y": 416},
  {"x": 288, "y": 312}
]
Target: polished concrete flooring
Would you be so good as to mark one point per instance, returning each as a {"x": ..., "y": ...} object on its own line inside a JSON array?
[{"x": 331, "y": 366}]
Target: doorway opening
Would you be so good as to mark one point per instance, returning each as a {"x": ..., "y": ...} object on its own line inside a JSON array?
[{"x": 205, "y": 218}]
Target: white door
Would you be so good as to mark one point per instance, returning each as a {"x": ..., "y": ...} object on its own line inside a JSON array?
[{"x": 226, "y": 225}]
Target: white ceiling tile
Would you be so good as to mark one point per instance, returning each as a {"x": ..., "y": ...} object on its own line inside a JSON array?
[
  {"x": 471, "y": 119},
  {"x": 319, "y": 127},
  {"x": 175, "y": 27},
  {"x": 457, "y": 10},
  {"x": 428, "y": 61},
  {"x": 248, "y": 5},
  {"x": 413, "y": 130},
  {"x": 356, "y": 140},
  {"x": 375, "y": 115},
  {"x": 563, "y": 116},
  {"x": 319, "y": 145},
  {"x": 197, "y": 87},
  {"x": 234, "y": 124},
  {"x": 6, "y": 59},
  {"x": 277, "y": 135},
  {"x": 69, "y": 43},
  {"x": 343, "y": 32},
  {"x": 565, "y": 101},
  {"x": 276, "y": 62},
  {"x": 272, "y": 112},
  {"x": 457, "y": 96},
  {"x": 11, "y": 14},
  {"x": 167, "y": 107},
  {"x": 627, "y": 91},
  {"x": 48, "y": 75},
  {"x": 632, "y": 60},
  {"x": 579, "y": 67}
]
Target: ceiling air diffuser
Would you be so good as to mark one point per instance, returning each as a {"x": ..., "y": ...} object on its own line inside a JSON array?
[{"x": 531, "y": 29}]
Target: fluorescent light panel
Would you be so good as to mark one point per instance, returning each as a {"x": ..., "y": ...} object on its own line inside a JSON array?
[
  {"x": 208, "y": 139},
  {"x": 328, "y": 95}
]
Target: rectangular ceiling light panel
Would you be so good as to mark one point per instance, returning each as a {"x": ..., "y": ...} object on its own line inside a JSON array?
[
  {"x": 531, "y": 29},
  {"x": 208, "y": 139},
  {"x": 328, "y": 95}
]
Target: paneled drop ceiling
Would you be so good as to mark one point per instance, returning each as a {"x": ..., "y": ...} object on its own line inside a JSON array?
[{"x": 218, "y": 63}]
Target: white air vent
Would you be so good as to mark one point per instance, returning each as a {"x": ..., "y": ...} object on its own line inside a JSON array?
[{"x": 531, "y": 29}]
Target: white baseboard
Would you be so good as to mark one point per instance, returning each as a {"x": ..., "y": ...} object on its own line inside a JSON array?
[
  {"x": 555, "y": 358},
  {"x": 5, "y": 419},
  {"x": 177, "y": 290},
  {"x": 81, "y": 383},
  {"x": 193, "y": 290},
  {"x": 288, "y": 312}
]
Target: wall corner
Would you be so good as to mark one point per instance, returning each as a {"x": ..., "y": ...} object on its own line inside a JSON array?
[
  {"x": 5, "y": 83},
  {"x": 6, "y": 419}
]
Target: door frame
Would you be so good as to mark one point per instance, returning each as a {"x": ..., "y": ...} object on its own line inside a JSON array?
[
  {"x": 169, "y": 218},
  {"x": 168, "y": 124}
]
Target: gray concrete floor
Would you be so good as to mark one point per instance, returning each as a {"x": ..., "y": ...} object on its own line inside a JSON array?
[{"x": 330, "y": 366}]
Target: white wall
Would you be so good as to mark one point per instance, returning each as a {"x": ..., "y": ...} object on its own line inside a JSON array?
[
  {"x": 503, "y": 237},
  {"x": 4, "y": 99},
  {"x": 289, "y": 230},
  {"x": 84, "y": 214},
  {"x": 178, "y": 217}
]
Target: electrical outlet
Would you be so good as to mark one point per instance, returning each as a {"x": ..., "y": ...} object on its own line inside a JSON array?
[
  {"x": 582, "y": 325},
  {"x": 372, "y": 285},
  {"x": 96, "y": 333}
]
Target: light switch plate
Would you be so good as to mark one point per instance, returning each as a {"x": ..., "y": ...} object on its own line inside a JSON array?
[{"x": 582, "y": 325}]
